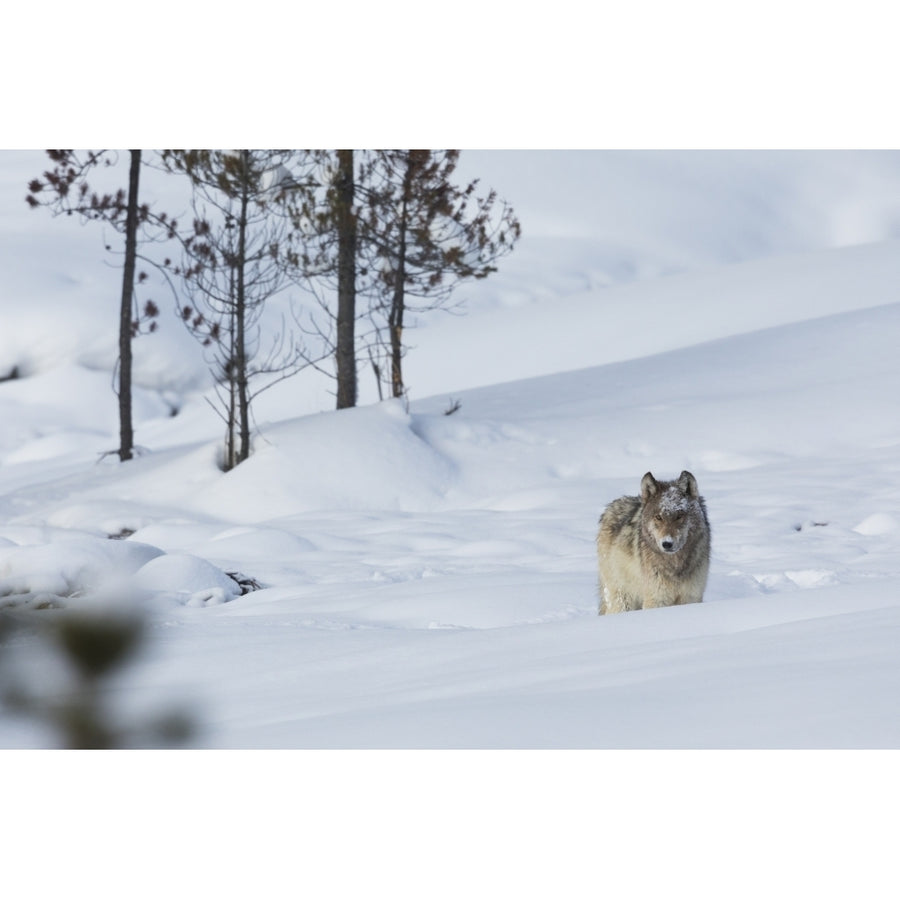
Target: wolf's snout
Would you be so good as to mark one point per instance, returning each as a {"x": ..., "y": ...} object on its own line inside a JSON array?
[{"x": 668, "y": 545}]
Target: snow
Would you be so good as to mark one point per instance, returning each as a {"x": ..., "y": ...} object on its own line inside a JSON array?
[
  {"x": 195, "y": 580},
  {"x": 673, "y": 500},
  {"x": 429, "y": 580}
]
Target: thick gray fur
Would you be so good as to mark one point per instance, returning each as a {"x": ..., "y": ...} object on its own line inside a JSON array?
[{"x": 653, "y": 550}]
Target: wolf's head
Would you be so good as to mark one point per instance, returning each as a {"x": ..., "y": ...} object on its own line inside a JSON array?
[{"x": 669, "y": 510}]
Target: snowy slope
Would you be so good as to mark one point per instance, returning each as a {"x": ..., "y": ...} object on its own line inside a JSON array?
[{"x": 429, "y": 580}]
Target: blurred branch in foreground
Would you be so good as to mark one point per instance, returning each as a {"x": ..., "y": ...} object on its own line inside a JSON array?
[{"x": 90, "y": 649}]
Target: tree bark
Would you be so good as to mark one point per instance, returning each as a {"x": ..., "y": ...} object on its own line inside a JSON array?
[
  {"x": 398, "y": 300},
  {"x": 241, "y": 312},
  {"x": 345, "y": 351},
  {"x": 126, "y": 311}
]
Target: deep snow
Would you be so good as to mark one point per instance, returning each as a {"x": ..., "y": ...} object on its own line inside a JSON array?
[{"x": 429, "y": 580}]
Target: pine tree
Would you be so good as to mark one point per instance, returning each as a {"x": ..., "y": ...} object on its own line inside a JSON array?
[
  {"x": 65, "y": 189},
  {"x": 238, "y": 257},
  {"x": 326, "y": 259},
  {"x": 423, "y": 234}
]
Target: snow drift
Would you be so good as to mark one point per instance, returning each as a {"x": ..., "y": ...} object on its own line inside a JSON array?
[{"x": 428, "y": 580}]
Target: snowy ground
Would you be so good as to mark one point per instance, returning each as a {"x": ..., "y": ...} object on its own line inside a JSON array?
[{"x": 429, "y": 580}]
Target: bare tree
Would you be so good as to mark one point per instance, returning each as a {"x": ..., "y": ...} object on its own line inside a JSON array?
[
  {"x": 237, "y": 258},
  {"x": 65, "y": 189}
]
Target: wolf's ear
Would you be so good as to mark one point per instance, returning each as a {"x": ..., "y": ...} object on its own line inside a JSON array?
[
  {"x": 687, "y": 484},
  {"x": 648, "y": 487}
]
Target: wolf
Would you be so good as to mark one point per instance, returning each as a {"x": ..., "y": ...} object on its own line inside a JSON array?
[{"x": 653, "y": 550}]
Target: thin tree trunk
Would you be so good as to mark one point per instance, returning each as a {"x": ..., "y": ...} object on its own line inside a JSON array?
[
  {"x": 345, "y": 352},
  {"x": 398, "y": 301},
  {"x": 241, "y": 349},
  {"x": 126, "y": 311},
  {"x": 395, "y": 318},
  {"x": 229, "y": 374}
]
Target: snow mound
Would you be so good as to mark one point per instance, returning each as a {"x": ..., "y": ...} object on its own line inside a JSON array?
[
  {"x": 362, "y": 458},
  {"x": 879, "y": 523},
  {"x": 192, "y": 580},
  {"x": 53, "y": 573}
]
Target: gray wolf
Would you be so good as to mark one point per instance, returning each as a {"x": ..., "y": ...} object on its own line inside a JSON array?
[{"x": 653, "y": 550}]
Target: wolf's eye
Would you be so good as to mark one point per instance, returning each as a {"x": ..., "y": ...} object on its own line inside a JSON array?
[{"x": 658, "y": 517}]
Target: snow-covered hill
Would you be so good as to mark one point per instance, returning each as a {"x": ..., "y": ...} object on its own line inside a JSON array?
[{"x": 429, "y": 580}]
